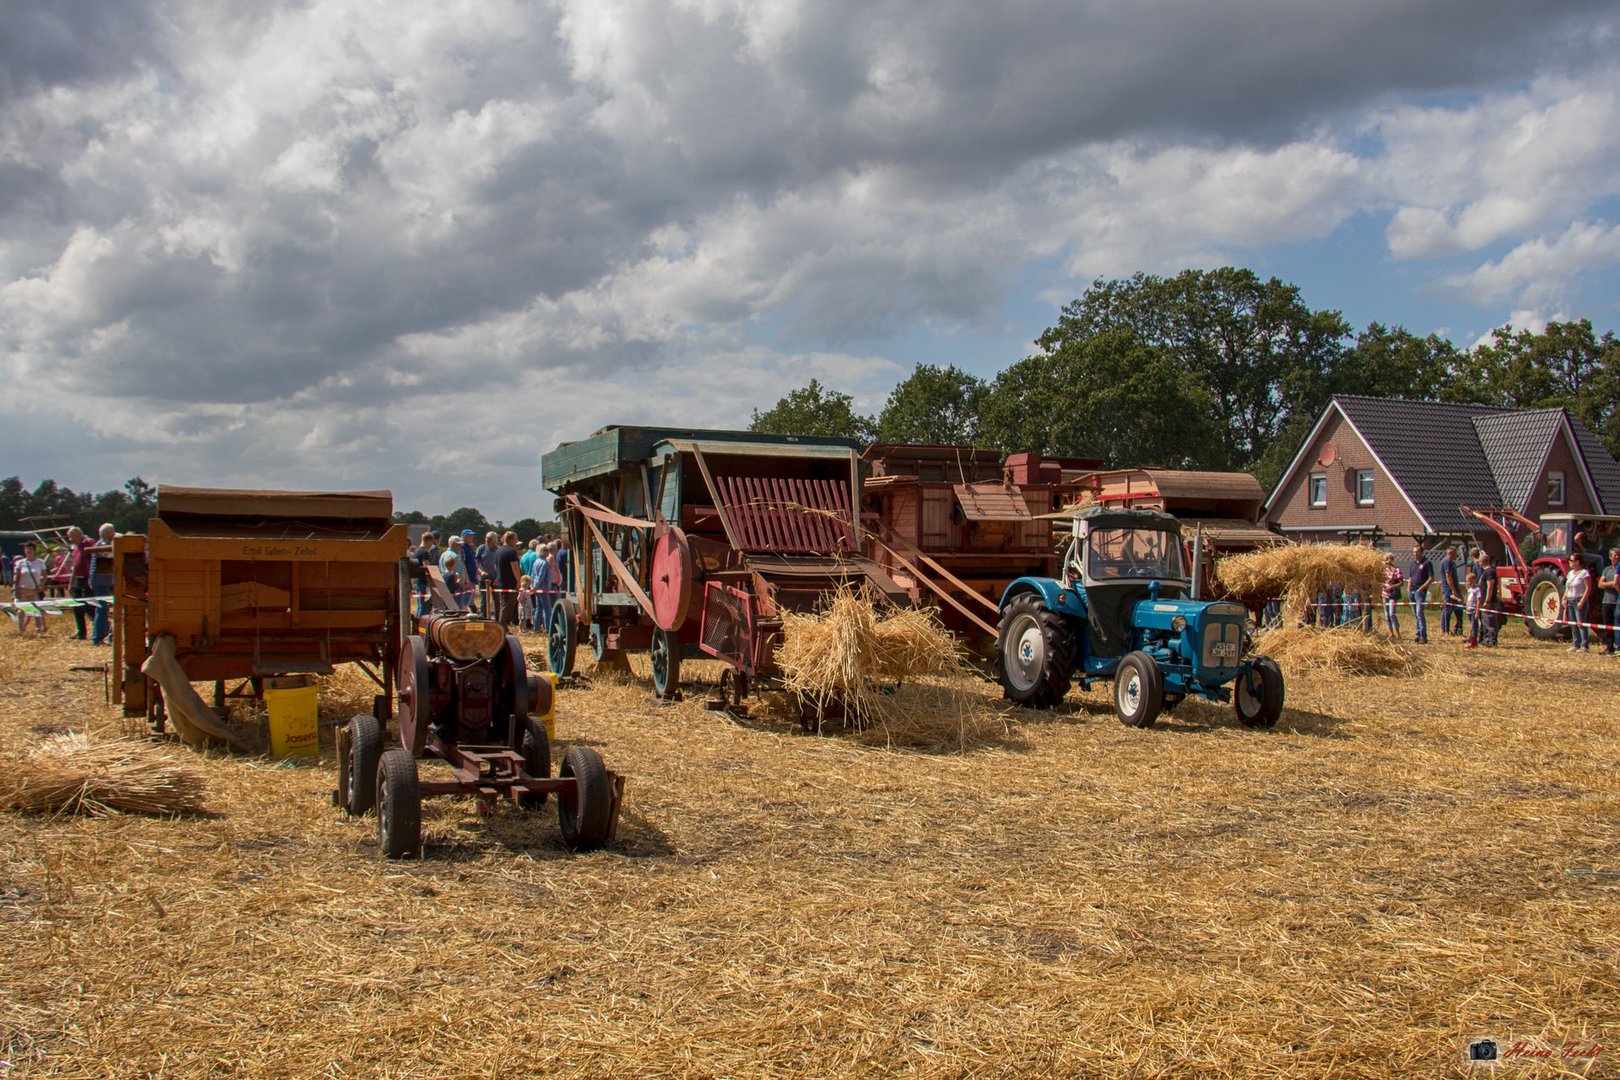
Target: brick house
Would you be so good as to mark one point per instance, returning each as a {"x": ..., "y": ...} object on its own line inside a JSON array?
[{"x": 1397, "y": 469}]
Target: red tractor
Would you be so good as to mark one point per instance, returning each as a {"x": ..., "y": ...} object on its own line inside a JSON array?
[{"x": 1534, "y": 587}]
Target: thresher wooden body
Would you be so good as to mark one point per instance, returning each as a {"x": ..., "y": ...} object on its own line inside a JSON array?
[
  {"x": 690, "y": 543},
  {"x": 955, "y": 524},
  {"x": 253, "y": 584}
]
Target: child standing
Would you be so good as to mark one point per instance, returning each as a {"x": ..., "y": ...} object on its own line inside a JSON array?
[
  {"x": 1392, "y": 596},
  {"x": 1471, "y": 605}
]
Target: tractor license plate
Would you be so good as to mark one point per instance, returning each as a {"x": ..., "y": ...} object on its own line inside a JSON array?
[{"x": 1224, "y": 650}]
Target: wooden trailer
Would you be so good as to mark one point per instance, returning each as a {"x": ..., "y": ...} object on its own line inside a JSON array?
[
  {"x": 246, "y": 585},
  {"x": 689, "y": 543},
  {"x": 954, "y": 525}
]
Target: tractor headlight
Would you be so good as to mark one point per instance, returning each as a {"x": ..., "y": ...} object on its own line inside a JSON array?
[
  {"x": 471, "y": 639},
  {"x": 1179, "y": 623}
]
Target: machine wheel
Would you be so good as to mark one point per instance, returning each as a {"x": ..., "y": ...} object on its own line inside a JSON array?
[
  {"x": 562, "y": 637},
  {"x": 1258, "y": 696},
  {"x": 536, "y": 761},
  {"x": 414, "y": 694},
  {"x": 1544, "y": 605},
  {"x": 357, "y": 772},
  {"x": 1138, "y": 690},
  {"x": 1034, "y": 653},
  {"x": 586, "y": 817},
  {"x": 399, "y": 805},
  {"x": 666, "y": 664}
]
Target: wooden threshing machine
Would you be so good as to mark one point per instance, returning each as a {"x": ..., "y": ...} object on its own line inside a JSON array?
[
  {"x": 956, "y": 524},
  {"x": 690, "y": 543},
  {"x": 245, "y": 585}
]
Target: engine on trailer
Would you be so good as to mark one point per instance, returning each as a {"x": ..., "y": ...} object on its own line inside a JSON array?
[{"x": 472, "y": 676}]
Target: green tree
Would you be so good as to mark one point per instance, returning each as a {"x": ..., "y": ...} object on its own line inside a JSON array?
[
  {"x": 465, "y": 517},
  {"x": 529, "y": 528},
  {"x": 934, "y": 405},
  {"x": 1107, "y": 396},
  {"x": 1254, "y": 346},
  {"x": 410, "y": 517},
  {"x": 814, "y": 410}
]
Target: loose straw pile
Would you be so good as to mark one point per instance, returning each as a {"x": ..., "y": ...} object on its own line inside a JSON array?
[
  {"x": 896, "y": 673},
  {"x": 74, "y": 774},
  {"x": 1297, "y": 572},
  {"x": 1342, "y": 650}
]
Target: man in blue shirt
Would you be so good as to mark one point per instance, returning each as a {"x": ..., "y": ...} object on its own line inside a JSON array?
[
  {"x": 1450, "y": 591},
  {"x": 1418, "y": 575}
]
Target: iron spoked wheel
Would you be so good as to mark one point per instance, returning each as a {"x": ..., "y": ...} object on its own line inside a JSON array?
[
  {"x": 357, "y": 772},
  {"x": 399, "y": 805},
  {"x": 1258, "y": 695},
  {"x": 1033, "y": 653},
  {"x": 1544, "y": 605},
  {"x": 1138, "y": 690},
  {"x": 586, "y": 818},
  {"x": 562, "y": 637},
  {"x": 536, "y": 761},
  {"x": 666, "y": 665}
]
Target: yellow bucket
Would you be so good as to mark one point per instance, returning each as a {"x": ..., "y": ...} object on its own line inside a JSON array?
[
  {"x": 295, "y": 727},
  {"x": 549, "y": 717}
]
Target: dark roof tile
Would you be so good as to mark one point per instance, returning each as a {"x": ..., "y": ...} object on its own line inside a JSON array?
[{"x": 1515, "y": 445}]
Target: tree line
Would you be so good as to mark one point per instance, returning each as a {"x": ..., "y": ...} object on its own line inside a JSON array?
[
  {"x": 1211, "y": 369},
  {"x": 48, "y": 504}
]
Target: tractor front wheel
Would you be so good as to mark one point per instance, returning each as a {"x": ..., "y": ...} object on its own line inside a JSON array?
[
  {"x": 1258, "y": 696},
  {"x": 1138, "y": 690},
  {"x": 357, "y": 771},
  {"x": 586, "y": 818},
  {"x": 399, "y": 805},
  {"x": 1034, "y": 653},
  {"x": 1544, "y": 605},
  {"x": 536, "y": 761}
]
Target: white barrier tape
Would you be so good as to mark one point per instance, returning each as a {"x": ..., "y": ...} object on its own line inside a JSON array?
[{"x": 39, "y": 607}]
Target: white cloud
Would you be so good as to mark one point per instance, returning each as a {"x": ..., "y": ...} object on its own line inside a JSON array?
[{"x": 1538, "y": 274}]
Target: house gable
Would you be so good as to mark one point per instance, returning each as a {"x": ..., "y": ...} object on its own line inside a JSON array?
[{"x": 1289, "y": 507}]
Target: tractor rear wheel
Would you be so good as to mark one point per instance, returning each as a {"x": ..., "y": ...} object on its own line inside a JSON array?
[
  {"x": 586, "y": 818},
  {"x": 1258, "y": 695},
  {"x": 357, "y": 771},
  {"x": 1138, "y": 690},
  {"x": 536, "y": 761},
  {"x": 1034, "y": 653},
  {"x": 1544, "y": 605},
  {"x": 399, "y": 805}
]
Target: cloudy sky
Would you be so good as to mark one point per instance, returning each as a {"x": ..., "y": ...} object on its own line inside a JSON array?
[{"x": 413, "y": 244}]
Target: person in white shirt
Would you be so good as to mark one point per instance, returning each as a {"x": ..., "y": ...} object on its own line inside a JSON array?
[
  {"x": 1576, "y": 588},
  {"x": 28, "y": 585}
]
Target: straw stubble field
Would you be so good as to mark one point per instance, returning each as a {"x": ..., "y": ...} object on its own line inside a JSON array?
[{"x": 1395, "y": 868}]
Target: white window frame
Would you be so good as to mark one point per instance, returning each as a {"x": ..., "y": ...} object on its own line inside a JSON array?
[
  {"x": 1310, "y": 490},
  {"x": 1371, "y": 482},
  {"x": 1556, "y": 476}
]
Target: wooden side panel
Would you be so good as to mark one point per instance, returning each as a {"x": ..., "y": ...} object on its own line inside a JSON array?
[
  {"x": 184, "y": 597},
  {"x": 937, "y": 527}
]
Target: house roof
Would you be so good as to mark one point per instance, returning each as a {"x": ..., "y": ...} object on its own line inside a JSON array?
[{"x": 1440, "y": 454}]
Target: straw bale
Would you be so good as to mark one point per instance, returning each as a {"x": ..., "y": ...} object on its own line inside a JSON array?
[
  {"x": 76, "y": 774},
  {"x": 1341, "y": 650},
  {"x": 1297, "y": 572}
]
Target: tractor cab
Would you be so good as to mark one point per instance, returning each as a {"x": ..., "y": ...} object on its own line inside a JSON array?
[
  {"x": 1569, "y": 536},
  {"x": 1122, "y": 557}
]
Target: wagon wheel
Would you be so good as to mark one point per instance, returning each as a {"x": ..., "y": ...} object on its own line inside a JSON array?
[
  {"x": 357, "y": 767},
  {"x": 414, "y": 695},
  {"x": 562, "y": 637},
  {"x": 666, "y": 665},
  {"x": 672, "y": 579},
  {"x": 536, "y": 761},
  {"x": 399, "y": 805},
  {"x": 587, "y": 816}
]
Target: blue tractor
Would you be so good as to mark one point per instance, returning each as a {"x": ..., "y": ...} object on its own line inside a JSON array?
[{"x": 1121, "y": 612}]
